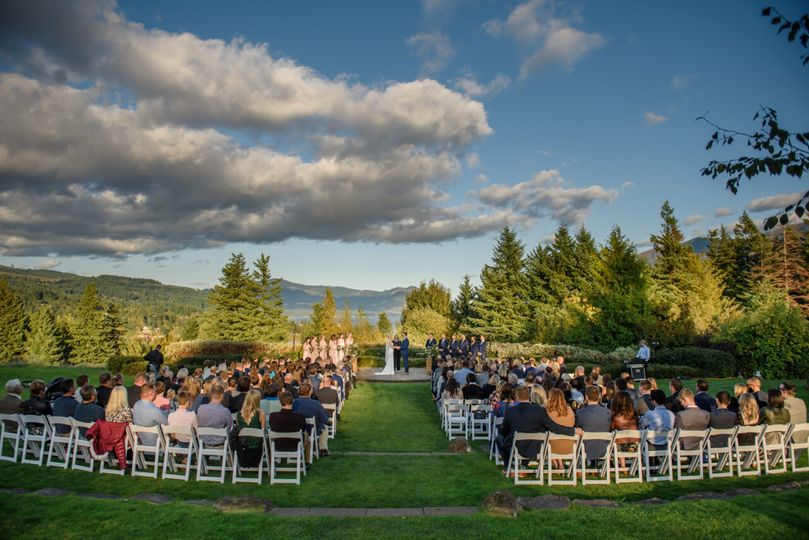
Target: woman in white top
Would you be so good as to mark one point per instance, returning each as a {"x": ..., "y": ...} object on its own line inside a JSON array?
[{"x": 183, "y": 417}]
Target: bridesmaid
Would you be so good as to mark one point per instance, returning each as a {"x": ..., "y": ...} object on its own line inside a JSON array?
[
  {"x": 307, "y": 348},
  {"x": 341, "y": 349},
  {"x": 324, "y": 348},
  {"x": 315, "y": 348},
  {"x": 333, "y": 348}
]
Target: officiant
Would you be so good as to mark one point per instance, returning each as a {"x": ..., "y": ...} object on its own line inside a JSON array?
[{"x": 397, "y": 352}]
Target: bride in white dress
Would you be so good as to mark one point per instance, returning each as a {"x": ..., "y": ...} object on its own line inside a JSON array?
[{"x": 388, "y": 358}]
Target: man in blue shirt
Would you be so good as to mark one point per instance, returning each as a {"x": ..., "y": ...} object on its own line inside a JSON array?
[
  {"x": 146, "y": 414},
  {"x": 311, "y": 408},
  {"x": 644, "y": 353},
  {"x": 405, "y": 352},
  {"x": 66, "y": 404},
  {"x": 658, "y": 419}
]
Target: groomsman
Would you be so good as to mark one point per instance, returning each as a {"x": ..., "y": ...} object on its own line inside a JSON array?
[
  {"x": 430, "y": 342},
  {"x": 405, "y": 351},
  {"x": 464, "y": 347},
  {"x": 482, "y": 348},
  {"x": 473, "y": 347},
  {"x": 454, "y": 347},
  {"x": 443, "y": 345}
]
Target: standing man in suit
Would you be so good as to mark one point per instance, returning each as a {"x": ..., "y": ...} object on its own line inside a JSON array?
[
  {"x": 397, "y": 353},
  {"x": 405, "y": 351},
  {"x": 453, "y": 347},
  {"x": 463, "y": 347},
  {"x": 594, "y": 418},
  {"x": 482, "y": 348},
  {"x": 526, "y": 417},
  {"x": 431, "y": 342},
  {"x": 443, "y": 345},
  {"x": 473, "y": 348},
  {"x": 690, "y": 418}
]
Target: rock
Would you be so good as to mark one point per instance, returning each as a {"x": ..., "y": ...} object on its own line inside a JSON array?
[
  {"x": 653, "y": 501},
  {"x": 52, "y": 492},
  {"x": 545, "y": 502},
  {"x": 459, "y": 445},
  {"x": 596, "y": 503},
  {"x": 240, "y": 505},
  {"x": 200, "y": 502},
  {"x": 701, "y": 495},
  {"x": 154, "y": 498},
  {"x": 741, "y": 492},
  {"x": 14, "y": 491},
  {"x": 502, "y": 503},
  {"x": 784, "y": 487}
]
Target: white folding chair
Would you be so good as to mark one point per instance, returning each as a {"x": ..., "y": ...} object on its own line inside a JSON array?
[
  {"x": 141, "y": 451},
  {"x": 516, "y": 459},
  {"x": 567, "y": 471},
  {"x": 494, "y": 453},
  {"x": 331, "y": 412},
  {"x": 719, "y": 451},
  {"x": 690, "y": 458},
  {"x": 479, "y": 424},
  {"x": 209, "y": 454},
  {"x": 746, "y": 445},
  {"x": 173, "y": 450},
  {"x": 82, "y": 448},
  {"x": 457, "y": 420},
  {"x": 600, "y": 464},
  {"x": 11, "y": 432},
  {"x": 632, "y": 459},
  {"x": 444, "y": 407},
  {"x": 36, "y": 434},
  {"x": 657, "y": 457},
  {"x": 263, "y": 462},
  {"x": 797, "y": 444},
  {"x": 295, "y": 458},
  {"x": 61, "y": 443},
  {"x": 314, "y": 440},
  {"x": 774, "y": 448}
]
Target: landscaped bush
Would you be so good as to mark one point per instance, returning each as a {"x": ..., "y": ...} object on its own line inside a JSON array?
[
  {"x": 706, "y": 362},
  {"x": 132, "y": 368},
  {"x": 116, "y": 364},
  {"x": 572, "y": 354},
  {"x": 180, "y": 350},
  {"x": 665, "y": 371}
]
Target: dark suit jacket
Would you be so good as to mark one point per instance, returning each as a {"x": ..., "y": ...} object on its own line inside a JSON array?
[
  {"x": 473, "y": 391},
  {"x": 11, "y": 405},
  {"x": 722, "y": 419},
  {"x": 103, "y": 395},
  {"x": 673, "y": 403},
  {"x": 133, "y": 395},
  {"x": 692, "y": 418},
  {"x": 705, "y": 401},
  {"x": 594, "y": 418},
  {"x": 528, "y": 418},
  {"x": 644, "y": 404},
  {"x": 287, "y": 421},
  {"x": 328, "y": 396}
]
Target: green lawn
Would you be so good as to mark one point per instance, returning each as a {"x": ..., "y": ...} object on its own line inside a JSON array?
[{"x": 48, "y": 373}]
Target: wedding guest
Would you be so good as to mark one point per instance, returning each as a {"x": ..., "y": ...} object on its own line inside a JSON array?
[
  {"x": 183, "y": 417},
  {"x": 774, "y": 412},
  {"x": 691, "y": 418},
  {"x": 624, "y": 417},
  {"x": 105, "y": 386},
  {"x": 37, "y": 404},
  {"x": 133, "y": 392},
  {"x": 250, "y": 449},
  {"x": 562, "y": 414},
  {"x": 117, "y": 409},
  {"x": 722, "y": 418},
  {"x": 88, "y": 410},
  {"x": 703, "y": 399},
  {"x": 215, "y": 415},
  {"x": 146, "y": 414},
  {"x": 739, "y": 389},
  {"x": 65, "y": 405},
  {"x": 658, "y": 418},
  {"x": 593, "y": 418},
  {"x": 286, "y": 421},
  {"x": 754, "y": 387},
  {"x": 12, "y": 402}
]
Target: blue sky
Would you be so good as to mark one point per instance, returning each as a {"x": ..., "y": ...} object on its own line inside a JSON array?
[{"x": 576, "y": 111}]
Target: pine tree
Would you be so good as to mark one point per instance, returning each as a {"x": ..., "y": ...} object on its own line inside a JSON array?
[
  {"x": 321, "y": 321},
  {"x": 500, "y": 311},
  {"x": 751, "y": 247},
  {"x": 383, "y": 324},
  {"x": 12, "y": 323},
  {"x": 43, "y": 343},
  {"x": 190, "y": 330},
  {"x": 364, "y": 332},
  {"x": 672, "y": 254},
  {"x": 272, "y": 324},
  {"x": 722, "y": 255},
  {"x": 433, "y": 296},
  {"x": 562, "y": 263},
  {"x": 88, "y": 338},
  {"x": 234, "y": 312},
  {"x": 112, "y": 331},
  {"x": 785, "y": 269},
  {"x": 585, "y": 257},
  {"x": 462, "y": 309}
]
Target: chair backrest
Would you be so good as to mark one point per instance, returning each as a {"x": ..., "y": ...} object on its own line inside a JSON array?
[
  {"x": 34, "y": 419},
  {"x": 80, "y": 426},
  {"x": 154, "y": 430},
  {"x": 296, "y": 435},
  {"x": 329, "y": 406},
  {"x": 530, "y": 436},
  {"x": 651, "y": 435},
  {"x": 178, "y": 430},
  {"x": 210, "y": 431},
  {"x": 6, "y": 419},
  {"x": 754, "y": 431},
  {"x": 801, "y": 430},
  {"x": 60, "y": 421},
  {"x": 597, "y": 436},
  {"x": 721, "y": 437},
  {"x": 628, "y": 434},
  {"x": 251, "y": 432}
]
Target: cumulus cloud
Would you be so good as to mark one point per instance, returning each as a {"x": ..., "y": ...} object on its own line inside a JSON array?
[
  {"x": 48, "y": 264},
  {"x": 693, "y": 219},
  {"x": 628, "y": 185},
  {"x": 680, "y": 81},
  {"x": 474, "y": 89},
  {"x": 547, "y": 194},
  {"x": 774, "y": 202},
  {"x": 546, "y": 38},
  {"x": 723, "y": 212},
  {"x": 481, "y": 179},
  {"x": 472, "y": 160},
  {"x": 434, "y": 49},
  {"x": 83, "y": 171},
  {"x": 653, "y": 118}
]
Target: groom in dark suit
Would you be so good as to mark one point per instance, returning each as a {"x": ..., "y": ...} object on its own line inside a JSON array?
[{"x": 405, "y": 351}]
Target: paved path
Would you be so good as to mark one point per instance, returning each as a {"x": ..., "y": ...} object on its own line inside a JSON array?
[{"x": 415, "y": 375}]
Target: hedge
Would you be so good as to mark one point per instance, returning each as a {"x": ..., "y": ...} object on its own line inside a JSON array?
[
  {"x": 707, "y": 362},
  {"x": 181, "y": 350},
  {"x": 116, "y": 364}
]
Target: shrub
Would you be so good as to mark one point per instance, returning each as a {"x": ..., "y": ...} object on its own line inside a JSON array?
[
  {"x": 135, "y": 367},
  {"x": 572, "y": 354},
  {"x": 116, "y": 363},
  {"x": 707, "y": 362},
  {"x": 622, "y": 354},
  {"x": 180, "y": 350},
  {"x": 666, "y": 371}
]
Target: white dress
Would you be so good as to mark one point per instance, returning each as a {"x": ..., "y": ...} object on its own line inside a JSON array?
[{"x": 388, "y": 360}]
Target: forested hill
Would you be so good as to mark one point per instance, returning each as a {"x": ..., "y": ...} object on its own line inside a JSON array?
[{"x": 147, "y": 301}]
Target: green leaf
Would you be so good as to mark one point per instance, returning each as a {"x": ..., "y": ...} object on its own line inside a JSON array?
[
  {"x": 766, "y": 11},
  {"x": 770, "y": 223},
  {"x": 784, "y": 219},
  {"x": 799, "y": 211}
]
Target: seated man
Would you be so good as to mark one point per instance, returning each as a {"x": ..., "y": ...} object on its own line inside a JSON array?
[
  {"x": 65, "y": 405},
  {"x": 183, "y": 417},
  {"x": 81, "y": 380},
  {"x": 133, "y": 392},
  {"x": 472, "y": 390},
  {"x": 526, "y": 417},
  {"x": 146, "y": 414},
  {"x": 311, "y": 408},
  {"x": 703, "y": 399},
  {"x": 12, "y": 403},
  {"x": 214, "y": 415},
  {"x": 326, "y": 394},
  {"x": 722, "y": 418},
  {"x": 754, "y": 386},
  {"x": 88, "y": 411},
  {"x": 594, "y": 418},
  {"x": 658, "y": 418},
  {"x": 690, "y": 418},
  {"x": 644, "y": 402},
  {"x": 287, "y": 421}
]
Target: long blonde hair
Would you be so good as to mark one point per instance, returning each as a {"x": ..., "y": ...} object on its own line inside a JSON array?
[
  {"x": 538, "y": 395},
  {"x": 252, "y": 404},
  {"x": 739, "y": 389},
  {"x": 748, "y": 409},
  {"x": 192, "y": 387},
  {"x": 118, "y": 400},
  {"x": 557, "y": 403}
]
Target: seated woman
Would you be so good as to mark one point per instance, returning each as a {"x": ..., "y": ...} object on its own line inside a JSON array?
[
  {"x": 624, "y": 417},
  {"x": 269, "y": 402},
  {"x": 249, "y": 449},
  {"x": 37, "y": 404},
  {"x": 773, "y": 414},
  {"x": 506, "y": 401},
  {"x": 561, "y": 413},
  {"x": 160, "y": 400},
  {"x": 452, "y": 391},
  {"x": 117, "y": 409}
]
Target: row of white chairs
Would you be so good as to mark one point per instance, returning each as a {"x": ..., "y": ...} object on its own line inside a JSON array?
[
  {"x": 469, "y": 418},
  {"x": 684, "y": 454},
  {"x": 56, "y": 441}
]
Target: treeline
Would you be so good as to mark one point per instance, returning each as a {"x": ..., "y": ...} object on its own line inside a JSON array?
[{"x": 747, "y": 296}]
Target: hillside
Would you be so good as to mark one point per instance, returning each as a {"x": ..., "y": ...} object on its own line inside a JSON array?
[
  {"x": 149, "y": 302},
  {"x": 699, "y": 244}
]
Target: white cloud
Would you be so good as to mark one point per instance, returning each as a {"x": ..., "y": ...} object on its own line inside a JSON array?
[
  {"x": 693, "y": 219},
  {"x": 653, "y": 118},
  {"x": 680, "y": 82},
  {"x": 472, "y": 160},
  {"x": 439, "y": 7},
  {"x": 481, "y": 179},
  {"x": 547, "y": 194},
  {"x": 83, "y": 172},
  {"x": 474, "y": 89},
  {"x": 774, "y": 202},
  {"x": 628, "y": 185},
  {"x": 697, "y": 231},
  {"x": 723, "y": 212},
  {"x": 434, "y": 49},
  {"x": 544, "y": 153},
  {"x": 545, "y": 38},
  {"x": 48, "y": 264}
]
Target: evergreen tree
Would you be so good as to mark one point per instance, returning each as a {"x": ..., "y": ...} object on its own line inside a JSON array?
[
  {"x": 383, "y": 324},
  {"x": 751, "y": 247},
  {"x": 88, "y": 337},
  {"x": 43, "y": 344},
  {"x": 672, "y": 254},
  {"x": 234, "y": 312},
  {"x": 323, "y": 313},
  {"x": 111, "y": 331},
  {"x": 462, "y": 309},
  {"x": 364, "y": 332},
  {"x": 563, "y": 263},
  {"x": 500, "y": 310},
  {"x": 785, "y": 269},
  {"x": 12, "y": 323},
  {"x": 722, "y": 255},
  {"x": 432, "y": 295},
  {"x": 272, "y": 323},
  {"x": 190, "y": 330},
  {"x": 585, "y": 257}
]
